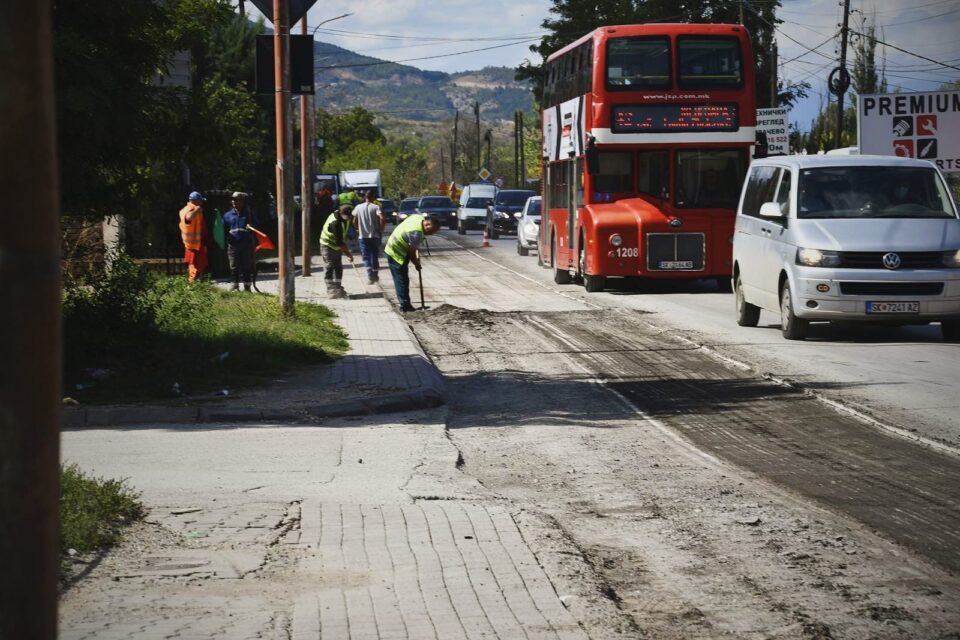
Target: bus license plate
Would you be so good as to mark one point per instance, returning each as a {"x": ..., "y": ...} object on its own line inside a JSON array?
[
  {"x": 893, "y": 307},
  {"x": 676, "y": 264}
]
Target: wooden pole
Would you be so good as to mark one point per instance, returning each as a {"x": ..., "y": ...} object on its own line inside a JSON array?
[
  {"x": 306, "y": 169},
  {"x": 30, "y": 289},
  {"x": 843, "y": 65},
  {"x": 281, "y": 55}
]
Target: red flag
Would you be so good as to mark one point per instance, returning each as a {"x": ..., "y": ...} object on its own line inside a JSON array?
[{"x": 263, "y": 240}]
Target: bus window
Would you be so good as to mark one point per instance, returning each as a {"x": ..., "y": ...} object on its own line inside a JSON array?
[
  {"x": 710, "y": 178},
  {"x": 709, "y": 62},
  {"x": 653, "y": 169},
  {"x": 638, "y": 62},
  {"x": 616, "y": 172}
]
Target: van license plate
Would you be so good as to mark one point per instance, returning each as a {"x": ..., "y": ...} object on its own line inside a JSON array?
[
  {"x": 676, "y": 264},
  {"x": 893, "y": 307}
]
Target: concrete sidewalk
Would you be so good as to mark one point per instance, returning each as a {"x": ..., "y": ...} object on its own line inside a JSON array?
[{"x": 385, "y": 370}]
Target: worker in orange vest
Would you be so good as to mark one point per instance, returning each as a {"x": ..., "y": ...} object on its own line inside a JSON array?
[{"x": 193, "y": 232}]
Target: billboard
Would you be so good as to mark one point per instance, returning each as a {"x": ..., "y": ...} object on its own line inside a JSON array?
[
  {"x": 925, "y": 126},
  {"x": 773, "y": 123}
]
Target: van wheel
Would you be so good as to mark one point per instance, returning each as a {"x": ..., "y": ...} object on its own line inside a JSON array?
[
  {"x": 748, "y": 315},
  {"x": 950, "y": 330},
  {"x": 522, "y": 250},
  {"x": 792, "y": 327},
  {"x": 460, "y": 230},
  {"x": 560, "y": 276}
]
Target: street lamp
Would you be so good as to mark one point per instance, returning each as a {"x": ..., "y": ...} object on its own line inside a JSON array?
[{"x": 314, "y": 32}]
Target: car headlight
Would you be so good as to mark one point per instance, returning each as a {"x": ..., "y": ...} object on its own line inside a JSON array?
[
  {"x": 952, "y": 259},
  {"x": 616, "y": 240},
  {"x": 818, "y": 258},
  {"x": 502, "y": 214}
]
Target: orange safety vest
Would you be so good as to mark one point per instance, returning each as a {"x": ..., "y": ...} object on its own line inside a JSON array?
[{"x": 192, "y": 232}]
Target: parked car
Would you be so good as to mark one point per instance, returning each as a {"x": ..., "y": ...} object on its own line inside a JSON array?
[
  {"x": 388, "y": 208},
  {"x": 474, "y": 202},
  {"x": 847, "y": 238},
  {"x": 407, "y": 207},
  {"x": 507, "y": 203},
  {"x": 528, "y": 225},
  {"x": 440, "y": 208}
]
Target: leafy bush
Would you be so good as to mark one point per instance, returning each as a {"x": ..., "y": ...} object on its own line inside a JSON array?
[{"x": 92, "y": 510}]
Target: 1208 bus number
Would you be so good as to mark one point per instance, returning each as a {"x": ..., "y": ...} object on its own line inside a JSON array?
[{"x": 628, "y": 252}]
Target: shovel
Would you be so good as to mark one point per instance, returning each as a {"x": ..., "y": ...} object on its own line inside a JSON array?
[{"x": 420, "y": 277}]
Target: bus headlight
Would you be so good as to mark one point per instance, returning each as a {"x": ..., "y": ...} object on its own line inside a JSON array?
[{"x": 616, "y": 240}]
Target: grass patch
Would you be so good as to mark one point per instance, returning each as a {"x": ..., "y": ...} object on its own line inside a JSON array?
[
  {"x": 131, "y": 335},
  {"x": 93, "y": 510}
]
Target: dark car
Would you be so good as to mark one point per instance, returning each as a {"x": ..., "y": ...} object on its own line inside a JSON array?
[
  {"x": 388, "y": 208},
  {"x": 440, "y": 208},
  {"x": 407, "y": 206},
  {"x": 508, "y": 203}
]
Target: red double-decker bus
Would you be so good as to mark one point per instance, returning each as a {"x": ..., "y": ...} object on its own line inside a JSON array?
[{"x": 647, "y": 132}]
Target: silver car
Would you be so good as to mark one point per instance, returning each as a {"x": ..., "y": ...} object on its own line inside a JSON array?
[
  {"x": 862, "y": 238},
  {"x": 528, "y": 225}
]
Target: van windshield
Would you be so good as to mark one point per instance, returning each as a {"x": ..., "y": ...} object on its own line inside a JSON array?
[
  {"x": 478, "y": 203},
  {"x": 873, "y": 192}
]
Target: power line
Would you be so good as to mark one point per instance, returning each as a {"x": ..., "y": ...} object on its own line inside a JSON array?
[
  {"x": 444, "y": 55},
  {"x": 383, "y": 36},
  {"x": 832, "y": 36},
  {"x": 909, "y": 53},
  {"x": 939, "y": 15}
]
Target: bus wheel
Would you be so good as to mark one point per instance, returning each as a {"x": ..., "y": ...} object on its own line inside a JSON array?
[
  {"x": 560, "y": 276},
  {"x": 592, "y": 284},
  {"x": 461, "y": 230}
]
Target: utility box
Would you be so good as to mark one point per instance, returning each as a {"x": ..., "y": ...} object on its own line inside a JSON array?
[{"x": 302, "y": 80}]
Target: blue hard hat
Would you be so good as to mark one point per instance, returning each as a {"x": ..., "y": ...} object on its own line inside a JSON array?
[{"x": 196, "y": 195}]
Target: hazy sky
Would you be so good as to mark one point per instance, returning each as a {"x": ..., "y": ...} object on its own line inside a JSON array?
[{"x": 403, "y": 29}]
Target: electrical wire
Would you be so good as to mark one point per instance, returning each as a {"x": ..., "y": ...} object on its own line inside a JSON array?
[
  {"x": 443, "y": 55},
  {"x": 909, "y": 53}
]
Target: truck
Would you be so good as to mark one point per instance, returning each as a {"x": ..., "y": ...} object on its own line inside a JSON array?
[{"x": 361, "y": 180}]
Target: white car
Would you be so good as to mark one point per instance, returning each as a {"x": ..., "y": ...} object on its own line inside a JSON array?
[
  {"x": 528, "y": 225},
  {"x": 847, "y": 238},
  {"x": 476, "y": 202}
]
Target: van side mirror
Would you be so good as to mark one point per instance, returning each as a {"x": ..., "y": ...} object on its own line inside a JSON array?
[{"x": 771, "y": 210}]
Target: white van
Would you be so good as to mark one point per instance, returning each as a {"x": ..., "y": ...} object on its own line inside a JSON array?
[
  {"x": 861, "y": 238},
  {"x": 474, "y": 201}
]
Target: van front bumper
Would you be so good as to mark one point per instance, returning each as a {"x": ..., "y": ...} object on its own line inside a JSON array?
[{"x": 819, "y": 294}]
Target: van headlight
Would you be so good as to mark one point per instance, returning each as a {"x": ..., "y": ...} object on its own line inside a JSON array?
[
  {"x": 952, "y": 259},
  {"x": 818, "y": 258}
]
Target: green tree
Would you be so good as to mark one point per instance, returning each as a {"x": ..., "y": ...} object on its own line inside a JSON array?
[{"x": 341, "y": 130}]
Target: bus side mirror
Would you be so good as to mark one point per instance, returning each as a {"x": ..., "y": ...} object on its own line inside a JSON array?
[{"x": 593, "y": 160}]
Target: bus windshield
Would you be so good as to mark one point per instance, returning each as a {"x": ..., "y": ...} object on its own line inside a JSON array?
[
  {"x": 709, "y": 62},
  {"x": 710, "y": 178},
  {"x": 638, "y": 62}
]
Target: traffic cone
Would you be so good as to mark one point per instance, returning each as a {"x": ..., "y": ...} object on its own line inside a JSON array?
[{"x": 486, "y": 238}]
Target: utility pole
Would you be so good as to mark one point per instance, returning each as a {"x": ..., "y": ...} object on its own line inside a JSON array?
[
  {"x": 281, "y": 63},
  {"x": 476, "y": 112},
  {"x": 488, "y": 137},
  {"x": 306, "y": 169},
  {"x": 243, "y": 10},
  {"x": 453, "y": 157},
  {"x": 30, "y": 288},
  {"x": 516, "y": 150},
  {"x": 843, "y": 78},
  {"x": 443, "y": 166},
  {"x": 773, "y": 76},
  {"x": 523, "y": 159}
]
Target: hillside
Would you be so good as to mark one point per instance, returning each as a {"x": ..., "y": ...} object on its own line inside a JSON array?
[{"x": 346, "y": 79}]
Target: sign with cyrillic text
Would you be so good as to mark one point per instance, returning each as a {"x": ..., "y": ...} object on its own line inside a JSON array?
[{"x": 773, "y": 123}]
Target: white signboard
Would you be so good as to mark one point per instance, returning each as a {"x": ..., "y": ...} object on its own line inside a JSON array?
[
  {"x": 773, "y": 122},
  {"x": 912, "y": 125}
]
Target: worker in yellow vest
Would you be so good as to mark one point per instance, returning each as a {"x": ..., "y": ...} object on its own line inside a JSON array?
[
  {"x": 193, "y": 232},
  {"x": 402, "y": 249},
  {"x": 333, "y": 246}
]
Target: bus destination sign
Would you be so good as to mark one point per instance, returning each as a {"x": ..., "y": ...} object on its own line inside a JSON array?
[{"x": 675, "y": 118}]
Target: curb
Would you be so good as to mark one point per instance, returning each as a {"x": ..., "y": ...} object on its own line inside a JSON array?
[{"x": 428, "y": 396}]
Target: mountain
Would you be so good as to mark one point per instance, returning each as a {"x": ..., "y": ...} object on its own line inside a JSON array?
[{"x": 346, "y": 79}]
